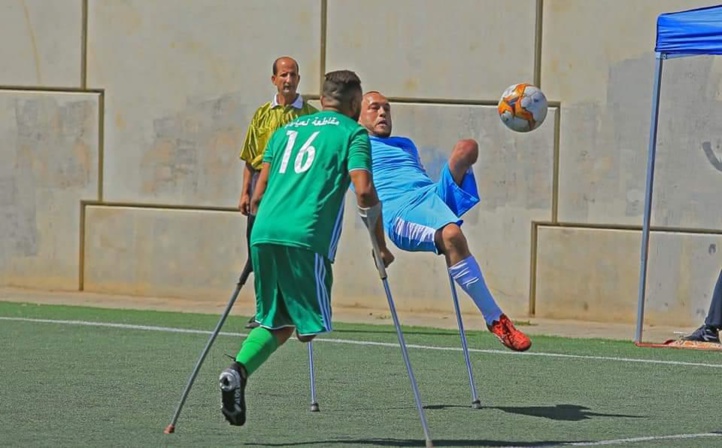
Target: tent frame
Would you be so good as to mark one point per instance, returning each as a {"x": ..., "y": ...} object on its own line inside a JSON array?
[
  {"x": 652, "y": 153},
  {"x": 651, "y": 156}
]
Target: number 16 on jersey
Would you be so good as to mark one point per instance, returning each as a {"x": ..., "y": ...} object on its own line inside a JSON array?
[{"x": 305, "y": 156}]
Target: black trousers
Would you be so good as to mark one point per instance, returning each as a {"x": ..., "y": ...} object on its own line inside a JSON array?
[
  {"x": 714, "y": 316},
  {"x": 250, "y": 221},
  {"x": 249, "y": 227}
]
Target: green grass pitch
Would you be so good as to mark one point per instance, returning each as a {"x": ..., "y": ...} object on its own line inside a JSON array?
[{"x": 68, "y": 384}]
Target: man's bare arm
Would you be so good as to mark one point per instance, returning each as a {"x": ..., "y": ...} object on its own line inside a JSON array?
[
  {"x": 366, "y": 197},
  {"x": 260, "y": 189},
  {"x": 244, "y": 203}
]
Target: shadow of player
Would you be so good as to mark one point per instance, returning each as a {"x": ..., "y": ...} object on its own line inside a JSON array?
[{"x": 563, "y": 412}]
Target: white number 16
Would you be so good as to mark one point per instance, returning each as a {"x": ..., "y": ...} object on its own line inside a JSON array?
[{"x": 299, "y": 165}]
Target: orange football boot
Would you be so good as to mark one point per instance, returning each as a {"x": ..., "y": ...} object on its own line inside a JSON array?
[{"x": 509, "y": 335}]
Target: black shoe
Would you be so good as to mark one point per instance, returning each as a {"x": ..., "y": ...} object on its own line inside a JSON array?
[
  {"x": 252, "y": 323},
  {"x": 705, "y": 333},
  {"x": 233, "y": 394}
]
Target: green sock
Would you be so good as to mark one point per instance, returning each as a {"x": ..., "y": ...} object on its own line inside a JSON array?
[{"x": 256, "y": 349}]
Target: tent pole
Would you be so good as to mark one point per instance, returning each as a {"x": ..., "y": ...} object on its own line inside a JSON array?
[{"x": 648, "y": 195}]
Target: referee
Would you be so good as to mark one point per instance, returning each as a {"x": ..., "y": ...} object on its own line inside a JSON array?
[{"x": 287, "y": 104}]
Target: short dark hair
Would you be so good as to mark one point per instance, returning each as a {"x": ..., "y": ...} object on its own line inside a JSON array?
[
  {"x": 275, "y": 64},
  {"x": 340, "y": 86}
]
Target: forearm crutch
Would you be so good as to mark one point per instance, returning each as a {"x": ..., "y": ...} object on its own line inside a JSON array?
[{"x": 370, "y": 216}]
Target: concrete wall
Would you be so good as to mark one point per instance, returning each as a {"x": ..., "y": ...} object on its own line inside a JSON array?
[
  {"x": 48, "y": 164},
  {"x": 121, "y": 124},
  {"x": 573, "y": 284}
]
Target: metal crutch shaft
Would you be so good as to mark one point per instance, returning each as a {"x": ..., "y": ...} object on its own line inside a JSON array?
[
  {"x": 475, "y": 402},
  {"x": 241, "y": 281},
  {"x": 370, "y": 216},
  {"x": 405, "y": 354},
  {"x": 314, "y": 403}
]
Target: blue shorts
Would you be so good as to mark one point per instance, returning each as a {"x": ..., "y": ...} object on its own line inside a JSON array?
[{"x": 413, "y": 227}]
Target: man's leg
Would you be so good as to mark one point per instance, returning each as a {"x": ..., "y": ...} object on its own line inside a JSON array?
[
  {"x": 457, "y": 188},
  {"x": 463, "y": 156},
  {"x": 465, "y": 270},
  {"x": 457, "y": 184},
  {"x": 249, "y": 227},
  {"x": 307, "y": 292},
  {"x": 298, "y": 283},
  {"x": 256, "y": 349},
  {"x": 275, "y": 329},
  {"x": 709, "y": 331},
  {"x": 431, "y": 226},
  {"x": 294, "y": 292},
  {"x": 714, "y": 316}
]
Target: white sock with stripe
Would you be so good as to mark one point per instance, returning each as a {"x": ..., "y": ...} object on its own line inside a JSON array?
[{"x": 467, "y": 274}]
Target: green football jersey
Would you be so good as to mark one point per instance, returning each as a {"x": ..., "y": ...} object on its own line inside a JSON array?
[{"x": 311, "y": 158}]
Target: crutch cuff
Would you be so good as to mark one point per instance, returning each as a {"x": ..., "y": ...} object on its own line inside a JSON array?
[{"x": 370, "y": 215}]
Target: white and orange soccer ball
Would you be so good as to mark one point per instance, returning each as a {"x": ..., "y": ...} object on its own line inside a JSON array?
[{"x": 523, "y": 107}]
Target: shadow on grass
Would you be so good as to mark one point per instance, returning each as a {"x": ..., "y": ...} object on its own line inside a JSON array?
[
  {"x": 562, "y": 412},
  {"x": 446, "y": 406}
]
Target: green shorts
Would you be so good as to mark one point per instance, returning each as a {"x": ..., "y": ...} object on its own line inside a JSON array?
[{"x": 293, "y": 288}]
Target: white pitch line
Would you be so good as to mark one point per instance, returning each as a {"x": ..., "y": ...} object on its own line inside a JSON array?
[
  {"x": 544, "y": 354},
  {"x": 645, "y": 439},
  {"x": 363, "y": 343}
]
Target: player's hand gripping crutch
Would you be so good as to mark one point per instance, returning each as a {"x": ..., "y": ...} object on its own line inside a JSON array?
[{"x": 370, "y": 217}]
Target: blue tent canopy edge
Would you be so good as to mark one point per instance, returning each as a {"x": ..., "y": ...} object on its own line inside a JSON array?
[{"x": 692, "y": 32}]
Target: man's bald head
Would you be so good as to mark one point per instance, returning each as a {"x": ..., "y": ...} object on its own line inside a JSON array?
[
  {"x": 285, "y": 61},
  {"x": 286, "y": 77},
  {"x": 376, "y": 114}
]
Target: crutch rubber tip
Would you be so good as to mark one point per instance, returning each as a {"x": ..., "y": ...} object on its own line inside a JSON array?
[
  {"x": 170, "y": 429},
  {"x": 429, "y": 443},
  {"x": 476, "y": 404},
  {"x": 314, "y": 407}
]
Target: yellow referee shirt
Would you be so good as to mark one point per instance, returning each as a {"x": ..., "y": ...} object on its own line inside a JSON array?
[{"x": 266, "y": 120}]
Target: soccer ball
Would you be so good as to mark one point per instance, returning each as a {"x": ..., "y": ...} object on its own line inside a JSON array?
[{"x": 523, "y": 107}]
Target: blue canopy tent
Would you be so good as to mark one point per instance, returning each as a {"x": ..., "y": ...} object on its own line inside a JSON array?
[{"x": 679, "y": 34}]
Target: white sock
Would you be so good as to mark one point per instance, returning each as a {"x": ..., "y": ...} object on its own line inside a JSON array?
[{"x": 467, "y": 274}]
